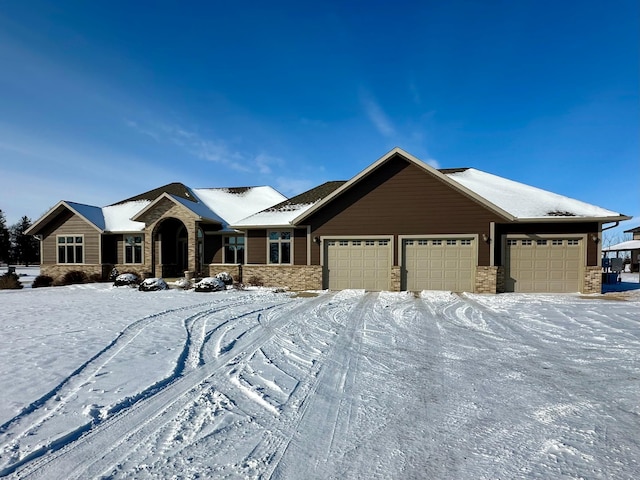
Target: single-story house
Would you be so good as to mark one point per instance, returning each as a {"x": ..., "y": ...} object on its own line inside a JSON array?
[
  {"x": 400, "y": 224},
  {"x": 163, "y": 232}
]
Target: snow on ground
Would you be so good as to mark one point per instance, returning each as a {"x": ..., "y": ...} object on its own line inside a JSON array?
[{"x": 104, "y": 382}]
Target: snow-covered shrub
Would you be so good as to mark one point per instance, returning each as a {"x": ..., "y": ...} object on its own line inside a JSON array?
[
  {"x": 183, "y": 283},
  {"x": 113, "y": 274},
  {"x": 226, "y": 278},
  {"x": 10, "y": 281},
  {"x": 153, "y": 284},
  {"x": 126, "y": 279},
  {"x": 42, "y": 281},
  {"x": 209, "y": 284}
]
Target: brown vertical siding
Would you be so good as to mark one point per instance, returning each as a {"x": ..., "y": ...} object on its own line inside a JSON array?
[
  {"x": 68, "y": 223},
  {"x": 213, "y": 249},
  {"x": 399, "y": 198},
  {"x": 300, "y": 246},
  {"x": 256, "y": 247}
]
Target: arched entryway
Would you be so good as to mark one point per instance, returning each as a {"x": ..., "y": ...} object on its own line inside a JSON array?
[{"x": 170, "y": 253}]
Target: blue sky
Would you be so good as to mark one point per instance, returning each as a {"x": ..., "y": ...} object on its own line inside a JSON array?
[{"x": 101, "y": 100}]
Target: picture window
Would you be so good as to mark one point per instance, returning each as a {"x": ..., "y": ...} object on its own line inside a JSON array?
[
  {"x": 133, "y": 249},
  {"x": 280, "y": 247},
  {"x": 71, "y": 249},
  {"x": 234, "y": 250}
]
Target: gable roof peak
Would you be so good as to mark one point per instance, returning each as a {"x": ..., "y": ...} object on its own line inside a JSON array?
[{"x": 176, "y": 189}]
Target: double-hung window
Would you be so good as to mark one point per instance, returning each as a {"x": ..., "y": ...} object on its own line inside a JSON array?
[
  {"x": 234, "y": 250},
  {"x": 71, "y": 249},
  {"x": 133, "y": 249},
  {"x": 280, "y": 246}
]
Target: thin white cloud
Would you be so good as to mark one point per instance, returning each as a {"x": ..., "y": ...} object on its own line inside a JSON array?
[
  {"x": 376, "y": 115},
  {"x": 264, "y": 163},
  {"x": 433, "y": 162},
  {"x": 212, "y": 150}
]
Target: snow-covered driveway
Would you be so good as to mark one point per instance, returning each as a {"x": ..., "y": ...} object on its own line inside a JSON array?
[{"x": 99, "y": 382}]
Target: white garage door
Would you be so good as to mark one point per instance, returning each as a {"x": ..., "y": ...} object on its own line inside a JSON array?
[
  {"x": 358, "y": 263},
  {"x": 542, "y": 265},
  {"x": 440, "y": 264}
]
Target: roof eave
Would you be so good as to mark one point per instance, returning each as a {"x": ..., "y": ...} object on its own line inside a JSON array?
[
  {"x": 253, "y": 227},
  {"x": 151, "y": 205},
  {"x": 573, "y": 219},
  {"x": 55, "y": 210},
  {"x": 420, "y": 164}
]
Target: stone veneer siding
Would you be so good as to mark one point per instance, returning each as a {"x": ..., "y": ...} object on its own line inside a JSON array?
[
  {"x": 486, "y": 279},
  {"x": 500, "y": 280},
  {"x": 234, "y": 270},
  {"x": 164, "y": 210},
  {"x": 57, "y": 271},
  {"x": 396, "y": 278},
  {"x": 592, "y": 280},
  {"x": 294, "y": 277}
]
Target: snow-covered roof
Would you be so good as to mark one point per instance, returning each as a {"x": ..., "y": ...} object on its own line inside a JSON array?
[
  {"x": 273, "y": 217},
  {"x": 199, "y": 208},
  {"x": 221, "y": 205},
  {"x": 233, "y": 204},
  {"x": 628, "y": 245},
  {"x": 524, "y": 201},
  {"x": 284, "y": 213},
  {"x": 118, "y": 217},
  {"x": 511, "y": 200}
]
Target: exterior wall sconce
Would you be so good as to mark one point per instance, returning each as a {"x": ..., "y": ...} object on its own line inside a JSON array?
[
  {"x": 595, "y": 239},
  {"x": 316, "y": 239},
  {"x": 486, "y": 238}
]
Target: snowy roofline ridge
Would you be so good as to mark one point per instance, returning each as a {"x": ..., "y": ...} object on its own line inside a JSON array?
[
  {"x": 218, "y": 204},
  {"x": 511, "y": 200},
  {"x": 524, "y": 201}
]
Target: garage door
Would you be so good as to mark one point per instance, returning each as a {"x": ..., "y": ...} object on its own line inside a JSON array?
[
  {"x": 542, "y": 265},
  {"x": 358, "y": 263},
  {"x": 440, "y": 264}
]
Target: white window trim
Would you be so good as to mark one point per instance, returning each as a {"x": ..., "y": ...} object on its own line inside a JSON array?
[
  {"x": 124, "y": 248},
  {"x": 224, "y": 246},
  {"x": 280, "y": 241},
  {"x": 83, "y": 248}
]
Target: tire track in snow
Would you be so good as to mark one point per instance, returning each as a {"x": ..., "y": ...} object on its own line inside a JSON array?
[
  {"x": 526, "y": 351},
  {"x": 108, "y": 442},
  {"x": 47, "y": 410},
  {"x": 325, "y": 406},
  {"x": 47, "y": 406}
]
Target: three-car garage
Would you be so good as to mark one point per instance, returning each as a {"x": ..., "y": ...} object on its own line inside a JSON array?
[{"x": 531, "y": 263}]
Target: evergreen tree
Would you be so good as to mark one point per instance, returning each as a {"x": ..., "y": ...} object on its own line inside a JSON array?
[
  {"x": 5, "y": 239},
  {"x": 25, "y": 247}
]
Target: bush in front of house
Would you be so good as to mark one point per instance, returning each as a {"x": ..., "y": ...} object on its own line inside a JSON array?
[
  {"x": 71, "y": 278},
  {"x": 209, "y": 284},
  {"x": 183, "y": 283},
  {"x": 126, "y": 280},
  {"x": 10, "y": 281},
  {"x": 42, "y": 281},
  {"x": 152, "y": 285},
  {"x": 255, "y": 281},
  {"x": 225, "y": 277}
]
